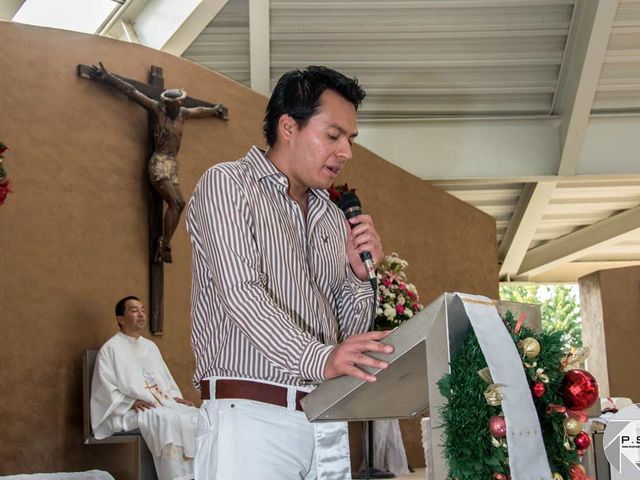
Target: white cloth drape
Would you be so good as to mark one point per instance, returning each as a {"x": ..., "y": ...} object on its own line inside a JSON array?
[
  {"x": 388, "y": 449},
  {"x": 527, "y": 456}
]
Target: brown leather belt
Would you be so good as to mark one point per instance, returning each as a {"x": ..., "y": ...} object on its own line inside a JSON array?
[{"x": 248, "y": 390}]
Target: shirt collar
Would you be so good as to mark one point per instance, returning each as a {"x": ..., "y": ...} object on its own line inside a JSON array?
[
  {"x": 263, "y": 167},
  {"x": 129, "y": 339}
]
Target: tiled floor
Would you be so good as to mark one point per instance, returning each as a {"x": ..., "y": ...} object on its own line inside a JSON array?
[{"x": 418, "y": 474}]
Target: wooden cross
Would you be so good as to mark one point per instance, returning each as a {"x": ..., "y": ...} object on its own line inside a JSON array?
[{"x": 198, "y": 108}]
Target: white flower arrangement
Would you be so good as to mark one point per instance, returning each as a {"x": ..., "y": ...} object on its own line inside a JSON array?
[{"x": 397, "y": 299}]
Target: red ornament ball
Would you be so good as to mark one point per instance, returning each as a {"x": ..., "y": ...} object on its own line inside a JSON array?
[
  {"x": 497, "y": 426},
  {"x": 500, "y": 476},
  {"x": 538, "y": 389},
  {"x": 579, "y": 389},
  {"x": 582, "y": 441}
]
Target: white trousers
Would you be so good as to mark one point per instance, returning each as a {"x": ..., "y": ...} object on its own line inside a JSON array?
[{"x": 248, "y": 440}]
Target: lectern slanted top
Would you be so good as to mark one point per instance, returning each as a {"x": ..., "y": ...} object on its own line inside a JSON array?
[{"x": 423, "y": 348}]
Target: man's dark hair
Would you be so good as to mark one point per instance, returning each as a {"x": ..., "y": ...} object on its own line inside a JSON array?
[
  {"x": 297, "y": 94},
  {"x": 121, "y": 304}
]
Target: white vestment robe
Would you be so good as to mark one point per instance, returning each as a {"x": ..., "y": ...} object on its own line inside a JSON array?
[{"x": 129, "y": 369}]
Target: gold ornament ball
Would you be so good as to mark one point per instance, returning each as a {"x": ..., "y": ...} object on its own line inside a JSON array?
[
  {"x": 572, "y": 426},
  {"x": 557, "y": 476},
  {"x": 530, "y": 347}
]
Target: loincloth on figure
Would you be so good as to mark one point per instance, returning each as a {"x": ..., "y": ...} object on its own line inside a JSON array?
[{"x": 163, "y": 167}]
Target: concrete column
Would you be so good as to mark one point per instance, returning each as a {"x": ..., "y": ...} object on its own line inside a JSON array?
[{"x": 610, "y": 302}]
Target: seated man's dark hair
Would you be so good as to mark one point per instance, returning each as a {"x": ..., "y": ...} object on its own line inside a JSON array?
[
  {"x": 121, "y": 303},
  {"x": 297, "y": 94}
]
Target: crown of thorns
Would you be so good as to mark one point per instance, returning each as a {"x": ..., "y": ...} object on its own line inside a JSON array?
[{"x": 173, "y": 95}]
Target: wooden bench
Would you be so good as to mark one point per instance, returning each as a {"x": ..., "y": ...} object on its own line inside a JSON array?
[{"x": 146, "y": 468}]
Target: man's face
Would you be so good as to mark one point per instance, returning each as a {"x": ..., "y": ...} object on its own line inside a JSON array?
[
  {"x": 322, "y": 147},
  {"x": 134, "y": 319}
]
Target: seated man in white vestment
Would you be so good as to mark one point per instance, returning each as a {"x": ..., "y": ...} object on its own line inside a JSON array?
[{"x": 133, "y": 388}]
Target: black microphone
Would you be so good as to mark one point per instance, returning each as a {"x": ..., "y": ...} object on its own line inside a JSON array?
[{"x": 350, "y": 205}]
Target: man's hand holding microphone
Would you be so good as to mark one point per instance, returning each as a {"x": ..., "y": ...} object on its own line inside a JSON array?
[{"x": 364, "y": 251}]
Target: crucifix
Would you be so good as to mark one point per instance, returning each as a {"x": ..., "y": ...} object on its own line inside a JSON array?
[{"x": 168, "y": 110}]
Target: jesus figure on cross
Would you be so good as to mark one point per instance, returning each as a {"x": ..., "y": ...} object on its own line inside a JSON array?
[{"x": 168, "y": 116}]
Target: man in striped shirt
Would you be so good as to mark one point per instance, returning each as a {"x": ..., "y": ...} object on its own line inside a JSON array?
[{"x": 280, "y": 297}]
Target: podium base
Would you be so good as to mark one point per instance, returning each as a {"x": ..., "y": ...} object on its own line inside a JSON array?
[{"x": 373, "y": 473}]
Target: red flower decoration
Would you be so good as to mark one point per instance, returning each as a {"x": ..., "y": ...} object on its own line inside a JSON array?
[
  {"x": 334, "y": 194},
  {"x": 3, "y": 148},
  {"x": 399, "y": 309},
  {"x": 336, "y": 191},
  {"x": 4, "y": 191}
]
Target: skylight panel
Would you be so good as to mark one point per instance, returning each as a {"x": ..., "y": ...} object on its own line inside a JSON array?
[{"x": 77, "y": 15}]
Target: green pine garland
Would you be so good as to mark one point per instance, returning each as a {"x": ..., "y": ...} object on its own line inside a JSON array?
[{"x": 468, "y": 447}]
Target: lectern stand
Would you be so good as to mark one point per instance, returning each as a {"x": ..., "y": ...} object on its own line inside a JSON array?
[{"x": 423, "y": 348}]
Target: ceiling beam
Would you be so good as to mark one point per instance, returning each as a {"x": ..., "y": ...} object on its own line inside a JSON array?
[
  {"x": 259, "y": 52},
  {"x": 447, "y": 149},
  {"x": 500, "y": 150},
  {"x": 425, "y": 4},
  {"x": 164, "y": 24},
  {"x": 452, "y": 184},
  {"x": 580, "y": 75},
  {"x": 124, "y": 14},
  {"x": 608, "y": 142},
  {"x": 8, "y": 8},
  {"x": 193, "y": 26},
  {"x": 579, "y": 243},
  {"x": 572, "y": 271},
  {"x": 577, "y": 84},
  {"x": 522, "y": 226},
  {"x": 129, "y": 32}
]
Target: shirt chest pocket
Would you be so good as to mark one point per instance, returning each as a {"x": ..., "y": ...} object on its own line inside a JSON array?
[{"x": 328, "y": 255}]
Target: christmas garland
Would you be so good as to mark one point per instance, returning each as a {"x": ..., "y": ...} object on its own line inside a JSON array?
[{"x": 474, "y": 437}]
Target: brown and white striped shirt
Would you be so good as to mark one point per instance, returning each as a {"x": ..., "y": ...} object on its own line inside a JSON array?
[{"x": 272, "y": 292}]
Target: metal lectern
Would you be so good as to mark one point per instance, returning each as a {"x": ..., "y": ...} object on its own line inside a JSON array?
[{"x": 423, "y": 348}]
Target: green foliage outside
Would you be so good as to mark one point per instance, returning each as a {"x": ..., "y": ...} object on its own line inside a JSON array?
[{"x": 560, "y": 306}]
